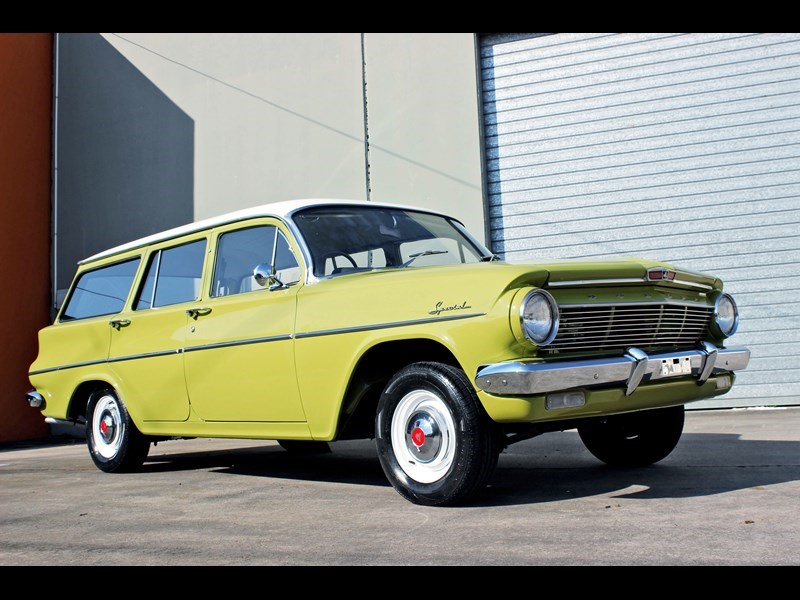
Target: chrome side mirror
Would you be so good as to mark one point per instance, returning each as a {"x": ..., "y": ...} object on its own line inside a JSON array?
[{"x": 264, "y": 274}]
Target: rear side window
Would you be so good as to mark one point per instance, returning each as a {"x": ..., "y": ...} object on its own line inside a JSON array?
[
  {"x": 101, "y": 291},
  {"x": 173, "y": 276}
]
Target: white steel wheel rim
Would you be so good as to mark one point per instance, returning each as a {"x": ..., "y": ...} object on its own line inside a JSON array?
[
  {"x": 107, "y": 427},
  {"x": 423, "y": 436}
]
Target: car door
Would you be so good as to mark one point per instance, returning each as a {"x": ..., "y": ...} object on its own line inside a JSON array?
[
  {"x": 239, "y": 350},
  {"x": 147, "y": 342}
]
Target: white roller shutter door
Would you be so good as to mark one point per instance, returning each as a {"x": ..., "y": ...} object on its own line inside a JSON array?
[{"x": 676, "y": 147}]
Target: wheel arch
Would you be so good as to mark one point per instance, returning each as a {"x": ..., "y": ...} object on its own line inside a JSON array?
[
  {"x": 373, "y": 370},
  {"x": 80, "y": 397}
]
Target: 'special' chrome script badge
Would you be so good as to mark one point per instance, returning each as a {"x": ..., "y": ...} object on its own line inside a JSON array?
[{"x": 440, "y": 308}]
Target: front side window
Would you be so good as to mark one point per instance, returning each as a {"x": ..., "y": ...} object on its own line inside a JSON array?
[
  {"x": 240, "y": 252},
  {"x": 101, "y": 291},
  {"x": 347, "y": 239},
  {"x": 173, "y": 276}
]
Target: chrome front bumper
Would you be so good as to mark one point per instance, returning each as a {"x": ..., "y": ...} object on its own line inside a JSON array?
[{"x": 629, "y": 370}]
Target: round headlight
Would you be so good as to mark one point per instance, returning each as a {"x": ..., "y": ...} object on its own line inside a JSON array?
[
  {"x": 539, "y": 317},
  {"x": 726, "y": 315}
]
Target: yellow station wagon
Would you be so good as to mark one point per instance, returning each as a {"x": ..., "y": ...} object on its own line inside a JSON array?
[{"x": 314, "y": 321}]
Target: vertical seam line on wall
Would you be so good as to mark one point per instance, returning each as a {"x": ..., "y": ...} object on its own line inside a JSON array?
[
  {"x": 366, "y": 116},
  {"x": 54, "y": 207},
  {"x": 487, "y": 229}
]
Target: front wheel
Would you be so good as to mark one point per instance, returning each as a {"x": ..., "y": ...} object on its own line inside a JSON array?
[
  {"x": 634, "y": 439},
  {"x": 435, "y": 443},
  {"x": 115, "y": 444}
]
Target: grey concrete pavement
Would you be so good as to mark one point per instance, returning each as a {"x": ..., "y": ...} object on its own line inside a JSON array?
[{"x": 728, "y": 495}]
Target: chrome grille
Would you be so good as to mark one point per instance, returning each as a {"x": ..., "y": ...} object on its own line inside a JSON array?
[{"x": 646, "y": 326}]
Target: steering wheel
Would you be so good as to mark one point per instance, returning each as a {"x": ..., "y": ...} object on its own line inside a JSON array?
[{"x": 333, "y": 256}]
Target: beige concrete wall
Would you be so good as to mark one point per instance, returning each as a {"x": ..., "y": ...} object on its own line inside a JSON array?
[
  {"x": 422, "y": 102},
  {"x": 276, "y": 115},
  {"x": 158, "y": 129}
]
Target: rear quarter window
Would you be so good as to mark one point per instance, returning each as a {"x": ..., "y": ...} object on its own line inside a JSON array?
[{"x": 101, "y": 291}]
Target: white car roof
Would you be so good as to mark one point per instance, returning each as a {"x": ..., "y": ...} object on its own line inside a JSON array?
[{"x": 281, "y": 210}]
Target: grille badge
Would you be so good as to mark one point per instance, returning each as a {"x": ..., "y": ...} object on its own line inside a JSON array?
[{"x": 660, "y": 274}]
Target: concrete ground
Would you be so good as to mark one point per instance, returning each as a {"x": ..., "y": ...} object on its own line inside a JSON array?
[{"x": 728, "y": 495}]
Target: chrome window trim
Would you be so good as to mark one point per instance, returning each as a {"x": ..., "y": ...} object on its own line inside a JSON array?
[
  {"x": 156, "y": 256},
  {"x": 301, "y": 243},
  {"x": 159, "y": 254}
]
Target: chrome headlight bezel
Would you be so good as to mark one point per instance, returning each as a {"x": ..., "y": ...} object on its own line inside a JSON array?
[
  {"x": 538, "y": 338},
  {"x": 725, "y": 326}
]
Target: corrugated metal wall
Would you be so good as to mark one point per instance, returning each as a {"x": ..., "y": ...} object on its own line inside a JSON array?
[{"x": 678, "y": 147}]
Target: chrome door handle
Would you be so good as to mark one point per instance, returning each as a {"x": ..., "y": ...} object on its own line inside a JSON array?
[
  {"x": 198, "y": 312},
  {"x": 119, "y": 323}
]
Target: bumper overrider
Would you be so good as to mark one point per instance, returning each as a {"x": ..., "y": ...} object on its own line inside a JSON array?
[{"x": 629, "y": 370}]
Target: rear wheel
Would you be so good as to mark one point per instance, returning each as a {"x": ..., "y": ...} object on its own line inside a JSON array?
[
  {"x": 634, "y": 439},
  {"x": 436, "y": 444},
  {"x": 115, "y": 444}
]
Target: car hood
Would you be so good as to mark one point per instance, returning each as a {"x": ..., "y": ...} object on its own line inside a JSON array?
[
  {"x": 460, "y": 290},
  {"x": 623, "y": 271},
  {"x": 563, "y": 273}
]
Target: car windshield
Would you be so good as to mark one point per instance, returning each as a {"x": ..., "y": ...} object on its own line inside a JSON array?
[{"x": 348, "y": 239}]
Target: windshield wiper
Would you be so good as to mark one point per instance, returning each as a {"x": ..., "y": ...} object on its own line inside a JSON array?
[
  {"x": 490, "y": 258},
  {"x": 413, "y": 257}
]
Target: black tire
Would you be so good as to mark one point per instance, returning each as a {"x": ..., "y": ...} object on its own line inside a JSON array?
[
  {"x": 435, "y": 442},
  {"x": 115, "y": 444},
  {"x": 305, "y": 447},
  {"x": 634, "y": 439}
]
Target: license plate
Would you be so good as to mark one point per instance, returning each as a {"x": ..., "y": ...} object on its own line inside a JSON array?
[{"x": 672, "y": 367}]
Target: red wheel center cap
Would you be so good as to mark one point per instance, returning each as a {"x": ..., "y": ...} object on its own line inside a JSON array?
[
  {"x": 418, "y": 437},
  {"x": 103, "y": 427}
]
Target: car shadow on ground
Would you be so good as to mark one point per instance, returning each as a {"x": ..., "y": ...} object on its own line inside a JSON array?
[
  {"x": 349, "y": 463},
  {"x": 547, "y": 469}
]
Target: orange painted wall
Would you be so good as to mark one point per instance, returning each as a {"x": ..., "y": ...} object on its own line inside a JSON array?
[{"x": 26, "y": 89}]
